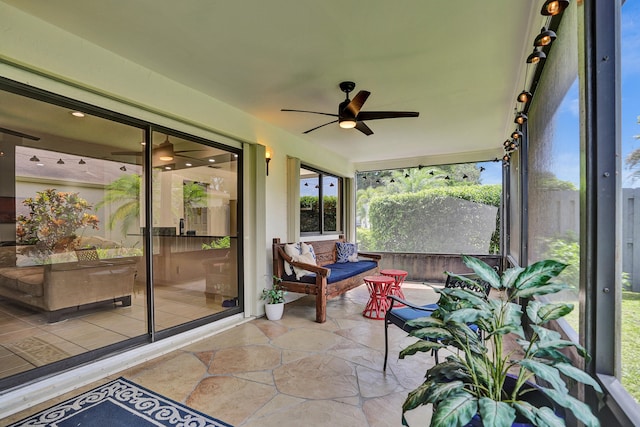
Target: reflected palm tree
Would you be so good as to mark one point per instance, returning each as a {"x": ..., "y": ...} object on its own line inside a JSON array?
[{"x": 126, "y": 192}]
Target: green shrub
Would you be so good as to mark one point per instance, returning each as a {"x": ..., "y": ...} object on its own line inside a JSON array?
[{"x": 435, "y": 220}]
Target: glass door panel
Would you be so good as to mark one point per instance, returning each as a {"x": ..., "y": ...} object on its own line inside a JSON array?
[{"x": 194, "y": 230}]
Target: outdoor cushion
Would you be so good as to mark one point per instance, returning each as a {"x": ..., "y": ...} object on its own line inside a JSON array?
[{"x": 340, "y": 271}]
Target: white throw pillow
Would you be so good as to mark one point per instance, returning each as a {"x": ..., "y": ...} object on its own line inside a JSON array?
[
  {"x": 306, "y": 248},
  {"x": 291, "y": 249},
  {"x": 307, "y": 258}
]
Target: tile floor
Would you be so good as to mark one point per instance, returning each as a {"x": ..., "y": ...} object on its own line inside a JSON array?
[
  {"x": 293, "y": 372},
  {"x": 28, "y": 341}
]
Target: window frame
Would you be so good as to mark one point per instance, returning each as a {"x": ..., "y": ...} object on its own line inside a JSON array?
[{"x": 340, "y": 208}]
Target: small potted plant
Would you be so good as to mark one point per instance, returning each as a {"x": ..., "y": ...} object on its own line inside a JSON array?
[
  {"x": 274, "y": 297},
  {"x": 483, "y": 383}
]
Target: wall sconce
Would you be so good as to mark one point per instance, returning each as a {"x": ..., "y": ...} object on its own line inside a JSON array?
[
  {"x": 536, "y": 56},
  {"x": 554, "y": 7},
  {"x": 545, "y": 38},
  {"x": 267, "y": 158},
  {"x": 521, "y": 118},
  {"x": 525, "y": 96}
]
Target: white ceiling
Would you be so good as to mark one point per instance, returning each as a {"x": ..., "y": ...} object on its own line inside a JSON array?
[{"x": 460, "y": 63}]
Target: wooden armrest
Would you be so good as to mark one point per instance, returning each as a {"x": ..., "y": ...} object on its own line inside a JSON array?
[
  {"x": 309, "y": 267},
  {"x": 368, "y": 255},
  {"x": 407, "y": 303}
]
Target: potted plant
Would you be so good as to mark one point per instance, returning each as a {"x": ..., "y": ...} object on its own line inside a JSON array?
[
  {"x": 474, "y": 386},
  {"x": 52, "y": 223},
  {"x": 274, "y": 297}
]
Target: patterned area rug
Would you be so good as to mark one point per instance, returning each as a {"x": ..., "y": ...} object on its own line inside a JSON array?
[
  {"x": 36, "y": 351},
  {"x": 120, "y": 403}
]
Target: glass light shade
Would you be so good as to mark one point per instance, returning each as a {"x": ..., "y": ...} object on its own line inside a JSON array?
[{"x": 347, "y": 124}]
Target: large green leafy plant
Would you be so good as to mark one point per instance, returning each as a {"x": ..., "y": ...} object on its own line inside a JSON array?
[
  {"x": 472, "y": 381},
  {"x": 53, "y": 221}
]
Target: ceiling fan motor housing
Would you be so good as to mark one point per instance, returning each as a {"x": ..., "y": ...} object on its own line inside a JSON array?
[{"x": 347, "y": 87}]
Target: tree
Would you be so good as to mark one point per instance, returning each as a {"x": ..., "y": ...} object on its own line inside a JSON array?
[
  {"x": 633, "y": 160},
  {"x": 53, "y": 221},
  {"x": 126, "y": 191},
  {"x": 363, "y": 198}
]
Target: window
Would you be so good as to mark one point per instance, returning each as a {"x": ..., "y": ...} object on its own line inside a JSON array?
[
  {"x": 630, "y": 121},
  {"x": 321, "y": 202},
  {"x": 73, "y": 232}
]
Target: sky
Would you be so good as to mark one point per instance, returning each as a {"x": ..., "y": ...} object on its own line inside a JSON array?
[{"x": 566, "y": 154}]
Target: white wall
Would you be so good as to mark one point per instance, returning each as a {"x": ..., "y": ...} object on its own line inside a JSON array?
[{"x": 42, "y": 55}]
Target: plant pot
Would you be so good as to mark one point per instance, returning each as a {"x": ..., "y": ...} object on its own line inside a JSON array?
[
  {"x": 274, "y": 311},
  {"x": 536, "y": 398}
]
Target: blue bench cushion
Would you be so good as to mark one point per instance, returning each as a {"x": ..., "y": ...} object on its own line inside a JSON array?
[{"x": 339, "y": 271}]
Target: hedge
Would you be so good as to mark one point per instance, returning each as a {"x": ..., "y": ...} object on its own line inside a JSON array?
[{"x": 462, "y": 219}]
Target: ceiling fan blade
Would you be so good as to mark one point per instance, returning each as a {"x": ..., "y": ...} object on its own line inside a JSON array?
[
  {"x": 353, "y": 108},
  {"x": 318, "y": 127},
  {"x": 19, "y": 134},
  {"x": 363, "y": 128},
  {"x": 312, "y": 112},
  {"x": 376, "y": 115},
  {"x": 126, "y": 153}
]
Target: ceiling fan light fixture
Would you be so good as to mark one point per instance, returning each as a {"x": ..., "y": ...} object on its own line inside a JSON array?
[
  {"x": 164, "y": 152},
  {"x": 347, "y": 123}
]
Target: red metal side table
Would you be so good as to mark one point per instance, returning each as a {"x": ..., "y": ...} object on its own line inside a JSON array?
[
  {"x": 379, "y": 287},
  {"x": 396, "y": 288}
]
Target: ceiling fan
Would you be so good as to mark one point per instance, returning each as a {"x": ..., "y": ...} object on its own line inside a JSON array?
[
  {"x": 163, "y": 152},
  {"x": 349, "y": 115}
]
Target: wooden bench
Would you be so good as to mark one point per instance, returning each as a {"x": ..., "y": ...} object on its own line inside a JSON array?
[{"x": 321, "y": 284}]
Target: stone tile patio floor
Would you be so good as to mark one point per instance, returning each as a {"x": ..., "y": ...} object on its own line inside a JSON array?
[{"x": 293, "y": 372}]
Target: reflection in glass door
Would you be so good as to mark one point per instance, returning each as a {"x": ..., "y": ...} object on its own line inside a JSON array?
[
  {"x": 194, "y": 230},
  {"x": 70, "y": 246}
]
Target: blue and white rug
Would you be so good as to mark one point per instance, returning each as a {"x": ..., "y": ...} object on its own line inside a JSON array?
[{"x": 120, "y": 403}]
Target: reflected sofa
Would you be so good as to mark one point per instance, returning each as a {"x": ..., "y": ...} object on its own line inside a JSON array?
[{"x": 69, "y": 286}]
